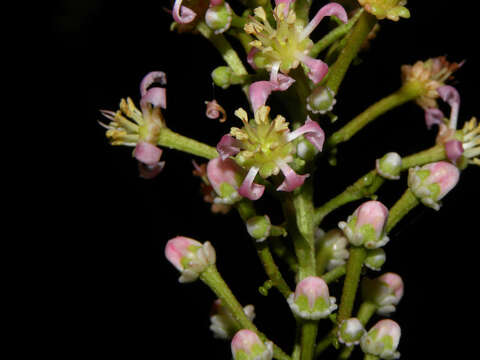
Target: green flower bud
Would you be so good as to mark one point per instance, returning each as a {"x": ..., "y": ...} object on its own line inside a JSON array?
[
  {"x": 219, "y": 18},
  {"x": 375, "y": 259},
  {"x": 259, "y": 227},
  {"x": 321, "y": 100},
  {"x": 389, "y": 166}
]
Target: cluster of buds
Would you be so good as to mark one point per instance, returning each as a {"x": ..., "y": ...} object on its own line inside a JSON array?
[
  {"x": 463, "y": 144},
  {"x": 190, "y": 257},
  {"x": 385, "y": 292},
  {"x": 246, "y": 345},
  {"x": 366, "y": 226},
  {"x": 311, "y": 299},
  {"x": 350, "y": 332},
  {"x": 266, "y": 147},
  {"x": 222, "y": 323},
  {"x": 130, "y": 127},
  {"x": 333, "y": 244},
  {"x": 430, "y": 75},
  {"x": 382, "y": 340},
  {"x": 390, "y": 9},
  {"x": 431, "y": 182},
  {"x": 218, "y": 14}
]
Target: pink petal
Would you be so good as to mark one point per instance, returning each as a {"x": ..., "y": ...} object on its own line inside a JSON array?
[
  {"x": 249, "y": 189},
  {"x": 318, "y": 69},
  {"x": 332, "y": 9},
  {"x": 451, "y": 96},
  {"x": 259, "y": 92},
  {"x": 216, "y": 2},
  {"x": 283, "y": 82},
  {"x": 312, "y": 132},
  {"x": 433, "y": 116},
  {"x": 214, "y": 109},
  {"x": 228, "y": 146},
  {"x": 156, "y": 97},
  {"x": 453, "y": 149},
  {"x": 182, "y": 14},
  {"x": 151, "y": 78},
  {"x": 292, "y": 179},
  {"x": 223, "y": 171},
  {"x": 150, "y": 171},
  {"x": 250, "y": 57},
  {"x": 147, "y": 153}
]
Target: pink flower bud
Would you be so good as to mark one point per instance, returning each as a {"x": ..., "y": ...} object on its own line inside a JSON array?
[
  {"x": 350, "y": 332},
  {"x": 367, "y": 225},
  {"x": 385, "y": 292},
  {"x": 382, "y": 340},
  {"x": 312, "y": 299},
  {"x": 246, "y": 345},
  {"x": 431, "y": 182},
  {"x": 225, "y": 176},
  {"x": 189, "y": 256}
]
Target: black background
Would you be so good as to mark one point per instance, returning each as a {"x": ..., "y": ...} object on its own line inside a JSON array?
[{"x": 110, "y": 290}]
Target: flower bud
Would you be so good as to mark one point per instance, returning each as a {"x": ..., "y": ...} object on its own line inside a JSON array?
[
  {"x": 246, "y": 345},
  {"x": 219, "y": 18},
  {"x": 389, "y": 166},
  {"x": 431, "y": 182},
  {"x": 311, "y": 299},
  {"x": 259, "y": 227},
  {"x": 375, "y": 259},
  {"x": 189, "y": 256},
  {"x": 382, "y": 340},
  {"x": 366, "y": 226},
  {"x": 390, "y": 9},
  {"x": 385, "y": 292},
  {"x": 321, "y": 100},
  {"x": 350, "y": 332},
  {"x": 305, "y": 150},
  {"x": 221, "y": 76},
  {"x": 225, "y": 176},
  {"x": 335, "y": 243},
  {"x": 222, "y": 323}
]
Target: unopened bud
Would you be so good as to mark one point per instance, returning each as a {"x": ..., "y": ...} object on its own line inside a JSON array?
[
  {"x": 389, "y": 166},
  {"x": 385, "y": 292},
  {"x": 222, "y": 322},
  {"x": 189, "y": 256},
  {"x": 366, "y": 226},
  {"x": 312, "y": 299},
  {"x": 246, "y": 345},
  {"x": 223, "y": 77},
  {"x": 375, "y": 259},
  {"x": 225, "y": 176},
  {"x": 382, "y": 340},
  {"x": 259, "y": 227},
  {"x": 321, "y": 100},
  {"x": 335, "y": 243},
  {"x": 431, "y": 182},
  {"x": 350, "y": 332},
  {"x": 219, "y": 17}
]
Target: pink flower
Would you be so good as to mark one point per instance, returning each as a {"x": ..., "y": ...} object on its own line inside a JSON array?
[{"x": 247, "y": 345}]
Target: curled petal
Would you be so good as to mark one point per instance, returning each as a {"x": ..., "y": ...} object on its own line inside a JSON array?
[
  {"x": 259, "y": 92},
  {"x": 250, "y": 57},
  {"x": 332, "y": 9},
  {"x": 451, "y": 96},
  {"x": 433, "y": 116},
  {"x": 147, "y": 153},
  {"x": 292, "y": 179},
  {"x": 318, "y": 69},
  {"x": 151, "y": 78},
  {"x": 312, "y": 132},
  {"x": 157, "y": 97},
  {"x": 453, "y": 149},
  {"x": 249, "y": 189},
  {"x": 182, "y": 14},
  {"x": 228, "y": 146},
  {"x": 214, "y": 110}
]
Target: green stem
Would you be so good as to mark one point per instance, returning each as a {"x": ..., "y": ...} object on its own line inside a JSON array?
[
  {"x": 322, "y": 257},
  {"x": 302, "y": 10},
  {"x": 309, "y": 335},
  {"x": 409, "y": 91},
  {"x": 402, "y": 207},
  {"x": 173, "y": 140},
  {"x": 323, "y": 345},
  {"x": 354, "y": 43},
  {"x": 297, "y": 347},
  {"x": 433, "y": 154},
  {"x": 366, "y": 186},
  {"x": 223, "y": 46},
  {"x": 280, "y": 249},
  {"x": 247, "y": 210},
  {"x": 350, "y": 286},
  {"x": 212, "y": 278},
  {"x": 334, "y": 274},
  {"x": 334, "y": 35}
]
